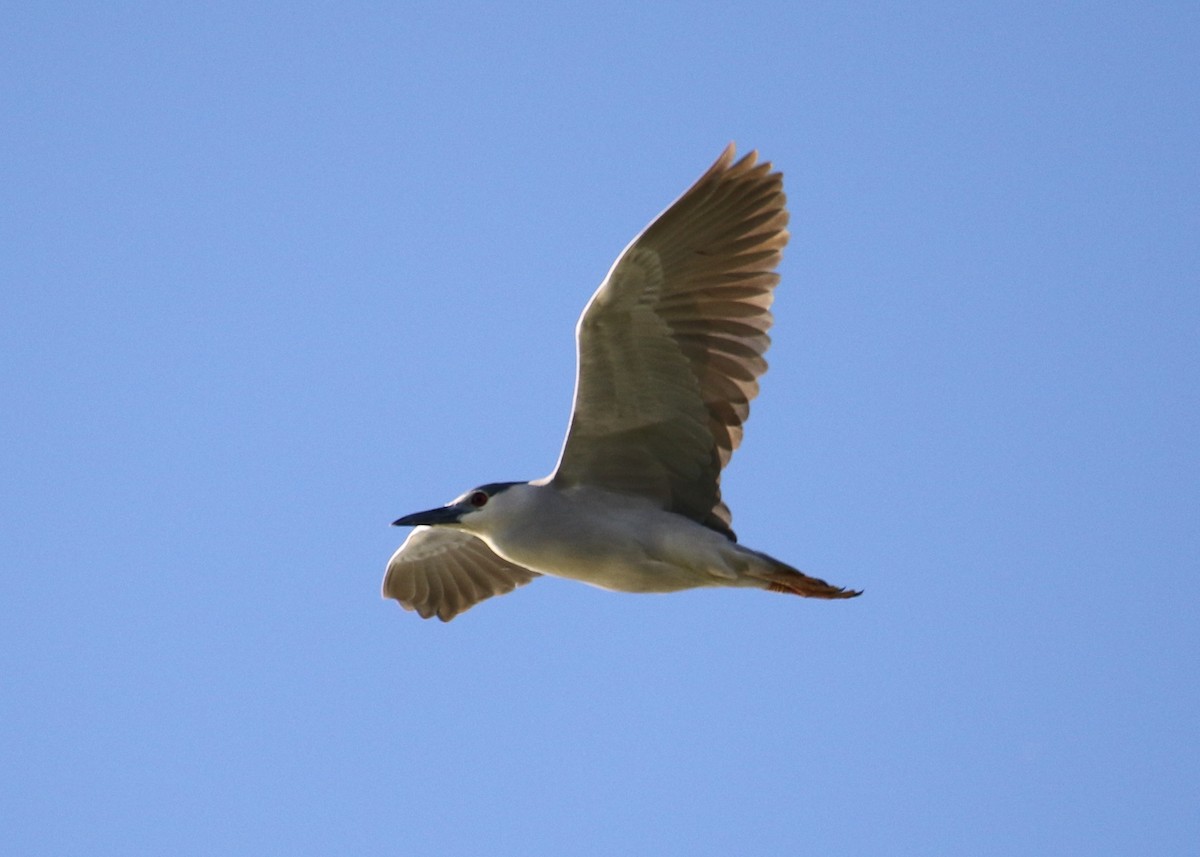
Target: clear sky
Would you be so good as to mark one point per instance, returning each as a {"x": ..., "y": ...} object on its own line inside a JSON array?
[{"x": 276, "y": 274}]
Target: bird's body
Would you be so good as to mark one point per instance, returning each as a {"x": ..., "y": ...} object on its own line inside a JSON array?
[
  {"x": 670, "y": 349},
  {"x": 614, "y": 541}
]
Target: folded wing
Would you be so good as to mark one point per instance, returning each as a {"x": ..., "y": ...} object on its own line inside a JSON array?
[{"x": 440, "y": 571}]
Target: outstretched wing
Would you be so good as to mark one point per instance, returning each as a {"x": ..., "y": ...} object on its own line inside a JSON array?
[
  {"x": 671, "y": 345},
  {"x": 440, "y": 571}
]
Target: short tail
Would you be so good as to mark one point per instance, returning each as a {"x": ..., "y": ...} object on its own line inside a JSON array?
[{"x": 781, "y": 577}]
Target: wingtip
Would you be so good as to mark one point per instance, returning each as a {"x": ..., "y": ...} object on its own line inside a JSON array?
[
  {"x": 724, "y": 160},
  {"x": 749, "y": 162}
]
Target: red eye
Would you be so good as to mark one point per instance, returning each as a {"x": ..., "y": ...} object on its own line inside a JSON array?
[{"x": 479, "y": 499}]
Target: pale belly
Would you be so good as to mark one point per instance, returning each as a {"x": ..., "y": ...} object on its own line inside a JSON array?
[{"x": 658, "y": 552}]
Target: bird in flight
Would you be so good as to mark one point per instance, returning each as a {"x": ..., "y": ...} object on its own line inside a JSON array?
[{"x": 670, "y": 349}]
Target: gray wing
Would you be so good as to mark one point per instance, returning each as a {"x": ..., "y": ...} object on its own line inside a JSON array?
[
  {"x": 671, "y": 345},
  {"x": 444, "y": 572}
]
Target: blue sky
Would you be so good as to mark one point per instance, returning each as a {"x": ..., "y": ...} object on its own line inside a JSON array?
[{"x": 276, "y": 274}]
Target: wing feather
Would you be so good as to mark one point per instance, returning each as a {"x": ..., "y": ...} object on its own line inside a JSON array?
[
  {"x": 671, "y": 345},
  {"x": 443, "y": 572}
]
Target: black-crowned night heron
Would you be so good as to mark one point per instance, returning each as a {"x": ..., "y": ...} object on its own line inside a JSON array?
[{"x": 670, "y": 350}]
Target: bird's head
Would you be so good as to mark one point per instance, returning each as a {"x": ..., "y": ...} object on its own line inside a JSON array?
[{"x": 467, "y": 511}]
